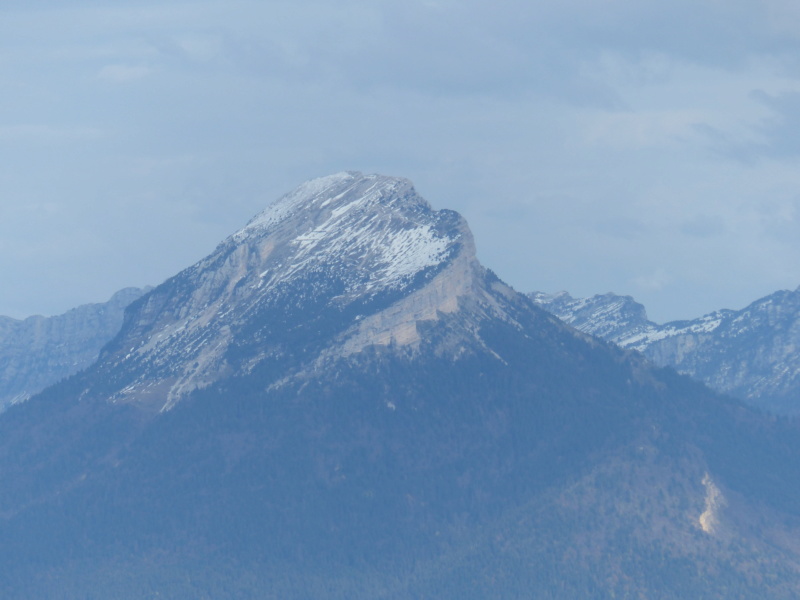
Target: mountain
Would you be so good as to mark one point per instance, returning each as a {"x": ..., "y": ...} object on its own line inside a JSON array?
[
  {"x": 341, "y": 264},
  {"x": 749, "y": 353},
  {"x": 341, "y": 402},
  {"x": 39, "y": 351}
]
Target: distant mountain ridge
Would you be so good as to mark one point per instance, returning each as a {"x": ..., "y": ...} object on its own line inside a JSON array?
[
  {"x": 750, "y": 353},
  {"x": 39, "y": 351}
]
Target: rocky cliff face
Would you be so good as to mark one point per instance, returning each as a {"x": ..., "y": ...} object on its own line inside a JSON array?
[
  {"x": 607, "y": 316},
  {"x": 39, "y": 351},
  {"x": 342, "y": 263},
  {"x": 749, "y": 353}
]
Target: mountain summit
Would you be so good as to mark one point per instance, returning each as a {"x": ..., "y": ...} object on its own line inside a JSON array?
[{"x": 341, "y": 263}]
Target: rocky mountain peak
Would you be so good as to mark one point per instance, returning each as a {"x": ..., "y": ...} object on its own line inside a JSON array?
[
  {"x": 342, "y": 263},
  {"x": 608, "y": 316},
  {"x": 373, "y": 231},
  {"x": 748, "y": 353},
  {"x": 315, "y": 200}
]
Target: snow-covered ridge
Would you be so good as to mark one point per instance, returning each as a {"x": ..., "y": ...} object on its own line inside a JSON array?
[
  {"x": 750, "y": 353},
  {"x": 621, "y": 319},
  {"x": 611, "y": 317},
  {"x": 652, "y": 333},
  {"x": 315, "y": 190},
  {"x": 346, "y": 240},
  {"x": 368, "y": 223}
]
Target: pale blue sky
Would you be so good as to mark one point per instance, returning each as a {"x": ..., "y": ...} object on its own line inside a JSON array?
[{"x": 640, "y": 147}]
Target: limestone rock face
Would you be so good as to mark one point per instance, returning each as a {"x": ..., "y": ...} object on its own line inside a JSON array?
[
  {"x": 39, "y": 351},
  {"x": 608, "y": 316},
  {"x": 749, "y": 353},
  {"x": 340, "y": 264}
]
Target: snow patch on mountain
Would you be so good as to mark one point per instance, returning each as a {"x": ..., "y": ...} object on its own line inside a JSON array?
[
  {"x": 651, "y": 332},
  {"x": 749, "y": 353},
  {"x": 367, "y": 223},
  {"x": 709, "y": 520},
  {"x": 335, "y": 247},
  {"x": 316, "y": 190}
]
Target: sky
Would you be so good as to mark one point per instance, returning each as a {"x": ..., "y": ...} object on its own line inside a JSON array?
[{"x": 639, "y": 147}]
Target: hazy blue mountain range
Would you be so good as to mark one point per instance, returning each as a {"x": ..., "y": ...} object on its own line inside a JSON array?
[
  {"x": 341, "y": 402},
  {"x": 750, "y": 353},
  {"x": 39, "y": 351}
]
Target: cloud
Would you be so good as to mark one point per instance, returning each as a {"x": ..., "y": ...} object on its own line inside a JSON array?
[
  {"x": 771, "y": 135},
  {"x": 48, "y": 133},
  {"x": 121, "y": 73},
  {"x": 200, "y": 46},
  {"x": 640, "y": 129},
  {"x": 702, "y": 226},
  {"x": 780, "y": 129},
  {"x": 655, "y": 281},
  {"x": 621, "y": 227}
]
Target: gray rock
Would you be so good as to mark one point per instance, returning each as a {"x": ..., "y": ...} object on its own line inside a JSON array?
[
  {"x": 750, "y": 353},
  {"x": 39, "y": 351},
  {"x": 340, "y": 264}
]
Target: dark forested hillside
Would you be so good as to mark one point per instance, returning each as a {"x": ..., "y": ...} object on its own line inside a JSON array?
[{"x": 561, "y": 467}]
